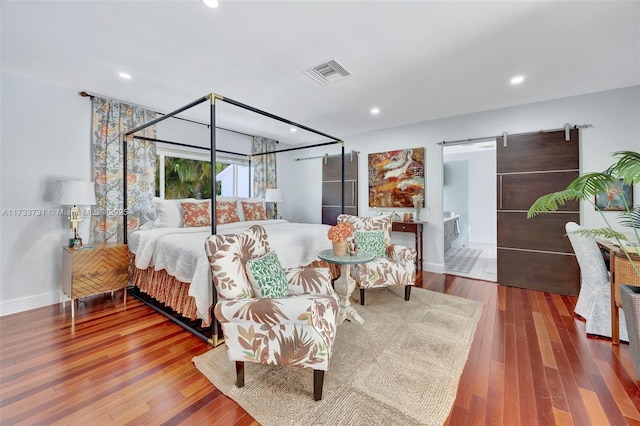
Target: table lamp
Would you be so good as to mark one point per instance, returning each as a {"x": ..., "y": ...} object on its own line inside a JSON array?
[
  {"x": 274, "y": 196},
  {"x": 74, "y": 193}
]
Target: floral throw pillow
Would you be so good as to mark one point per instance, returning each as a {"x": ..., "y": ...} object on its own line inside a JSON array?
[
  {"x": 195, "y": 214},
  {"x": 371, "y": 241},
  {"x": 226, "y": 212},
  {"x": 267, "y": 277},
  {"x": 254, "y": 211}
]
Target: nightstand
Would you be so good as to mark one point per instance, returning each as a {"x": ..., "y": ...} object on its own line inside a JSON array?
[{"x": 90, "y": 271}]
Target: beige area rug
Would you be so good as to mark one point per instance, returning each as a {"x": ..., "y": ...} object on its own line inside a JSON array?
[{"x": 401, "y": 367}]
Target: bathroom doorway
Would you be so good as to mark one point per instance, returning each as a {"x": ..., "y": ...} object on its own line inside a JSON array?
[{"x": 469, "y": 204}]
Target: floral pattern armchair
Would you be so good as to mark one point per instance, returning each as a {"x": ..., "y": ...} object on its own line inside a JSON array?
[
  {"x": 298, "y": 330},
  {"x": 397, "y": 267}
]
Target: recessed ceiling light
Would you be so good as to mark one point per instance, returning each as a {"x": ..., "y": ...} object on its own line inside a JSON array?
[
  {"x": 293, "y": 130},
  {"x": 375, "y": 111},
  {"x": 125, "y": 75},
  {"x": 211, "y": 3},
  {"x": 517, "y": 79}
]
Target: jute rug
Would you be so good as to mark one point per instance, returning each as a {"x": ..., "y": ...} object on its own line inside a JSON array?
[
  {"x": 461, "y": 259},
  {"x": 401, "y": 367}
]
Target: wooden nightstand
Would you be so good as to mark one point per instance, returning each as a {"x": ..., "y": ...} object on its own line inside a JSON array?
[{"x": 90, "y": 271}]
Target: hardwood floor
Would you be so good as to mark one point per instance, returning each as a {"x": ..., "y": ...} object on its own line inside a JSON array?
[{"x": 530, "y": 364}]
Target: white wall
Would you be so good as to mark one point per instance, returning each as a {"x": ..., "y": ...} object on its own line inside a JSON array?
[
  {"x": 45, "y": 136},
  {"x": 614, "y": 114}
]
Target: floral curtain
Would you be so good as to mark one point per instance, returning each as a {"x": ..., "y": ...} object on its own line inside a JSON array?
[
  {"x": 264, "y": 168},
  {"x": 111, "y": 119}
]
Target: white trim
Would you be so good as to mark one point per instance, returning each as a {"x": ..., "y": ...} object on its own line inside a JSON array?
[{"x": 33, "y": 302}]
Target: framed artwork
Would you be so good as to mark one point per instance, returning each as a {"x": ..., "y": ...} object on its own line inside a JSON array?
[
  {"x": 613, "y": 199},
  {"x": 395, "y": 177}
]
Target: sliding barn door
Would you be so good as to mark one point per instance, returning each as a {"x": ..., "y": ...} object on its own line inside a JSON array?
[
  {"x": 332, "y": 187},
  {"x": 535, "y": 253}
]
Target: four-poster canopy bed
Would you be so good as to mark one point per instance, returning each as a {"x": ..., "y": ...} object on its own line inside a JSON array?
[{"x": 181, "y": 293}]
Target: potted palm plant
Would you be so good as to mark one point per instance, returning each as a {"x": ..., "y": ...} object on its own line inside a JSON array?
[{"x": 585, "y": 188}]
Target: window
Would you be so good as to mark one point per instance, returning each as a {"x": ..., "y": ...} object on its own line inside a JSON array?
[{"x": 187, "y": 174}]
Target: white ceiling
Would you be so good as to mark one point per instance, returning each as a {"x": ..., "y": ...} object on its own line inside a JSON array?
[{"x": 415, "y": 60}]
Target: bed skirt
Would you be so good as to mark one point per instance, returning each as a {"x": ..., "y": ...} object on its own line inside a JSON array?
[
  {"x": 164, "y": 288},
  {"x": 175, "y": 294}
]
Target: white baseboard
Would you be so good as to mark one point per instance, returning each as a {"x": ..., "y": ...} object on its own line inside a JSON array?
[
  {"x": 438, "y": 268},
  {"x": 28, "y": 303}
]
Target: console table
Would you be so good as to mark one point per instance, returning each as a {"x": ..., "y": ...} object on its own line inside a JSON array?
[{"x": 415, "y": 228}]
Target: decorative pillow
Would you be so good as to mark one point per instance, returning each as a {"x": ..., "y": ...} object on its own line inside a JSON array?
[
  {"x": 267, "y": 277},
  {"x": 254, "y": 211},
  {"x": 226, "y": 212},
  {"x": 371, "y": 223},
  {"x": 196, "y": 214},
  {"x": 371, "y": 241}
]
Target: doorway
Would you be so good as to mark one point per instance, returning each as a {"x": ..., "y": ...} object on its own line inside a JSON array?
[{"x": 469, "y": 204}]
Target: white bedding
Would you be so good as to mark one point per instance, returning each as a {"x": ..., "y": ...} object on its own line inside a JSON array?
[{"x": 180, "y": 251}]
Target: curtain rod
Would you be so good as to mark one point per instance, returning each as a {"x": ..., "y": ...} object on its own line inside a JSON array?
[
  {"x": 566, "y": 127},
  {"x": 91, "y": 96}
]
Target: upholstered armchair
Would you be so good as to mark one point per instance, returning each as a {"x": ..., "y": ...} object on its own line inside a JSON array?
[
  {"x": 270, "y": 315},
  {"x": 394, "y": 265},
  {"x": 594, "y": 299}
]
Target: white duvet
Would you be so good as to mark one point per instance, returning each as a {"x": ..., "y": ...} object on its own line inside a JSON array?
[{"x": 180, "y": 251}]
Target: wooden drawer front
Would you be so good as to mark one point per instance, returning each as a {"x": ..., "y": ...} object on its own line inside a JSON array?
[
  {"x": 518, "y": 192},
  {"x": 555, "y": 273},
  {"x": 99, "y": 270},
  {"x": 624, "y": 274},
  {"x": 543, "y": 232},
  {"x": 404, "y": 226}
]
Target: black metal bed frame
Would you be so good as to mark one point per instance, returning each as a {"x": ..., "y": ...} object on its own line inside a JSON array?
[{"x": 212, "y": 98}]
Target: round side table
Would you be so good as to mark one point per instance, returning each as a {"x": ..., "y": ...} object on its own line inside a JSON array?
[{"x": 345, "y": 284}]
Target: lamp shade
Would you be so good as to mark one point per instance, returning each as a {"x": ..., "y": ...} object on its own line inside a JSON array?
[
  {"x": 273, "y": 195},
  {"x": 74, "y": 192}
]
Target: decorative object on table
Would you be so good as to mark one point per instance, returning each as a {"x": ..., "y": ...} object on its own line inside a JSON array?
[
  {"x": 74, "y": 193},
  {"x": 263, "y": 329},
  {"x": 338, "y": 235},
  {"x": 617, "y": 196},
  {"x": 395, "y": 176},
  {"x": 417, "y": 200},
  {"x": 585, "y": 188},
  {"x": 394, "y": 266},
  {"x": 631, "y": 308},
  {"x": 274, "y": 196},
  {"x": 373, "y": 381}
]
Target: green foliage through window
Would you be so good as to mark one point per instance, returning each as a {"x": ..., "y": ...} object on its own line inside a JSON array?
[{"x": 185, "y": 178}]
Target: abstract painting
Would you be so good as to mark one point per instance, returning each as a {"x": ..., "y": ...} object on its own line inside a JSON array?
[{"x": 395, "y": 177}]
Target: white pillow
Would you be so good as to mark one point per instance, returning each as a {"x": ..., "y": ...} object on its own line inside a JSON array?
[{"x": 170, "y": 212}]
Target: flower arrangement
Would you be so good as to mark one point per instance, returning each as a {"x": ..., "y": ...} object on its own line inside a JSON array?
[
  {"x": 417, "y": 199},
  {"x": 340, "y": 232}
]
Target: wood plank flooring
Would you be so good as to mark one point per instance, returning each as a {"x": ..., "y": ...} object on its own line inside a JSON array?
[{"x": 530, "y": 364}]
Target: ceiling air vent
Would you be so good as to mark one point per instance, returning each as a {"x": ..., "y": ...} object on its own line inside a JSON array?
[{"x": 327, "y": 72}]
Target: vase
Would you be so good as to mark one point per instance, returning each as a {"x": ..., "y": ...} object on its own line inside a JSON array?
[
  {"x": 339, "y": 248},
  {"x": 418, "y": 209}
]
